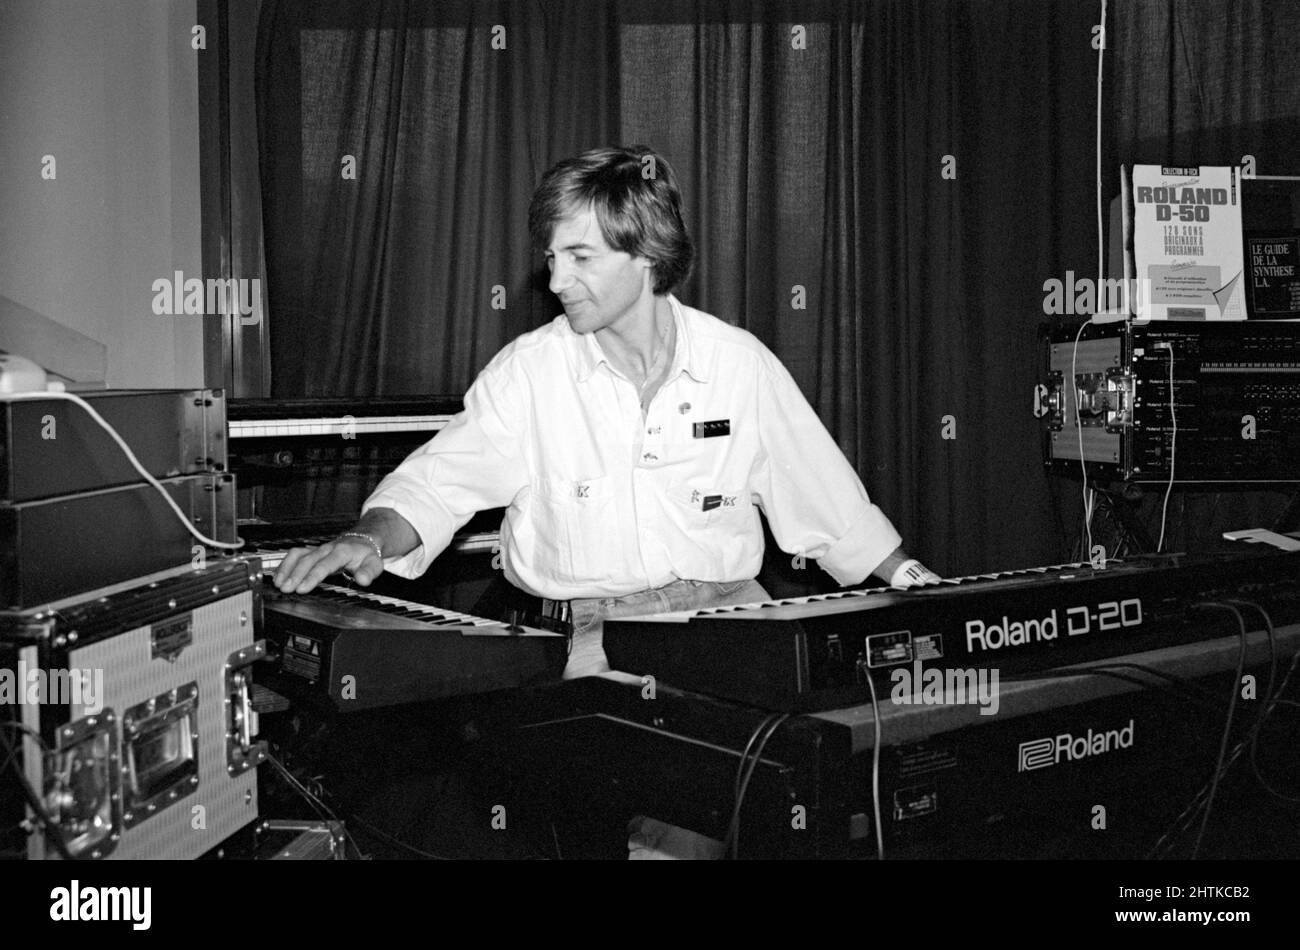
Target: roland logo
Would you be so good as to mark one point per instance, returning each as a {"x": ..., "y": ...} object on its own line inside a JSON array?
[
  {"x": 1009, "y": 633},
  {"x": 1042, "y": 753}
]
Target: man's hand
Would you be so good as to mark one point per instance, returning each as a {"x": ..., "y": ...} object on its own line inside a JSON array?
[
  {"x": 899, "y": 570},
  {"x": 912, "y": 573},
  {"x": 303, "y": 568}
]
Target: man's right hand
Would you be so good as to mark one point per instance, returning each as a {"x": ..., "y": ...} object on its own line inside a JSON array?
[{"x": 303, "y": 568}]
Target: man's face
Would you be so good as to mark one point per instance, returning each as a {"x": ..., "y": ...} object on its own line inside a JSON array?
[{"x": 597, "y": 284}]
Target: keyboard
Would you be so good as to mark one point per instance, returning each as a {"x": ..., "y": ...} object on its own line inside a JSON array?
[
  {"x": 817, "y": 652},
  {"x": 353, "y": 650}
]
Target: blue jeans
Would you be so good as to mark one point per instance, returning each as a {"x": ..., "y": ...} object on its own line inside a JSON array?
[{"x": 588, "y": 615}]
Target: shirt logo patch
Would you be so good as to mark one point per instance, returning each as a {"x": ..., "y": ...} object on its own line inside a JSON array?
[
  {"x": 712, "y": 429},
  {"x": 709, "y": 502},
  {"x": 582, "y": 490}
]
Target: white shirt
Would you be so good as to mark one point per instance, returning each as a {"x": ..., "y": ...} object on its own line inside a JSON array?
[{"x": 605, "y": 501}]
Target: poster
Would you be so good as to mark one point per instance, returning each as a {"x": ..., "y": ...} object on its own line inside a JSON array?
[{"x": 1187, "y": 245}]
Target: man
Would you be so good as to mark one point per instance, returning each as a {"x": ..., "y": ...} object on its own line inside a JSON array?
[{"x": 632, "y": 439}]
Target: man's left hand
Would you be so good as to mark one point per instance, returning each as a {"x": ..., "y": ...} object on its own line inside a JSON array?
[
  {"x": 912, "y": 573},
  {"x": 902, "y": 571}
]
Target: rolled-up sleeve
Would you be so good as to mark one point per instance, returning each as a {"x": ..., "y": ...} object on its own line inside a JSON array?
[
  {"x": 475, "y": 463},
  {"x": 813, "y": 499}
]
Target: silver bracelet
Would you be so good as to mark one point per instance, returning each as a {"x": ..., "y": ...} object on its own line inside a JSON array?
[{"x": 379, "y": 551}]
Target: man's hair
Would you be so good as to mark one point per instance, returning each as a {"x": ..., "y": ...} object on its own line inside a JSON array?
[{"x": 634, "y": 195}]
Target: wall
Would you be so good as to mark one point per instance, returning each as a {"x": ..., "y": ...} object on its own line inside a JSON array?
[{"x": 110, "y": 89}]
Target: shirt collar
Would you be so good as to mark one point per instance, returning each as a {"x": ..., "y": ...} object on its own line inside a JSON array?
[{"x": 687, "y": 357}]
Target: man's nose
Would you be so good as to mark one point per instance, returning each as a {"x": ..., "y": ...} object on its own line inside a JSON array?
[{"x": 561, "y": 277}]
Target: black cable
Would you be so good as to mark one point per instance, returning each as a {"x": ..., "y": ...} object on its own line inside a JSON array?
[
  {"x": 48, "y": 825},
  {"x": 749, "y": 774},
  {"x": 374, "y": 829},
  {"x": 396, "y": 842},
  {"x": 1220, "y": 767},
  {"x": 1176, "y": 684},
  {"x": 26, "y": 730},
  {"x": 1279, "y": 525},
  {"x": 1271, "y": 700},
  {"x": 1227, "y": 726},
  {"x": 1054, "y": 496},
  {"x": 875, "y": 768},
  {"x": 1183, "y": 820},
  {"x": 729, "y": 848},
  {"x": 1272, "y": 642},
  {"x": 1254, "y": 760},
  {"x": 744, "y": 754},
  {"x": 767, "y": 728},
  {"x": 1173, "y": 690},
  {"x": 1178, "y": 538},
  {"x": 1178, "y": 687},
  {"x": 318, "y": 806}
]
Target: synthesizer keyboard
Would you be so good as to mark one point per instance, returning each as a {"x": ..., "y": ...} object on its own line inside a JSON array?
[
  {"x": 335, "y": 425},
  {"x": 810, "y": 653},
  {"x": 356, "y": 650},
  {"x": 277, "y": 419}
]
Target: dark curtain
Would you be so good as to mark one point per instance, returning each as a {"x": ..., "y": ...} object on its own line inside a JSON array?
[
  {"x": 822, "y": 169},
  {"x": 1214, "y": 81},
  {"x": 878, "y": 190},
  {"x": 408, "y": 277}
]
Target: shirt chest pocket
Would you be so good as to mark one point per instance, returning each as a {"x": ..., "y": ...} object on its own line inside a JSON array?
[
  {"x": 576, "y": 535},
  {"x": 707, "y": 508}
]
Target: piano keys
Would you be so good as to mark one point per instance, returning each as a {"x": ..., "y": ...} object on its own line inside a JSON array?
[
  {"x": 348, "y": 426},
  {"x": 344, "y": 418}
]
